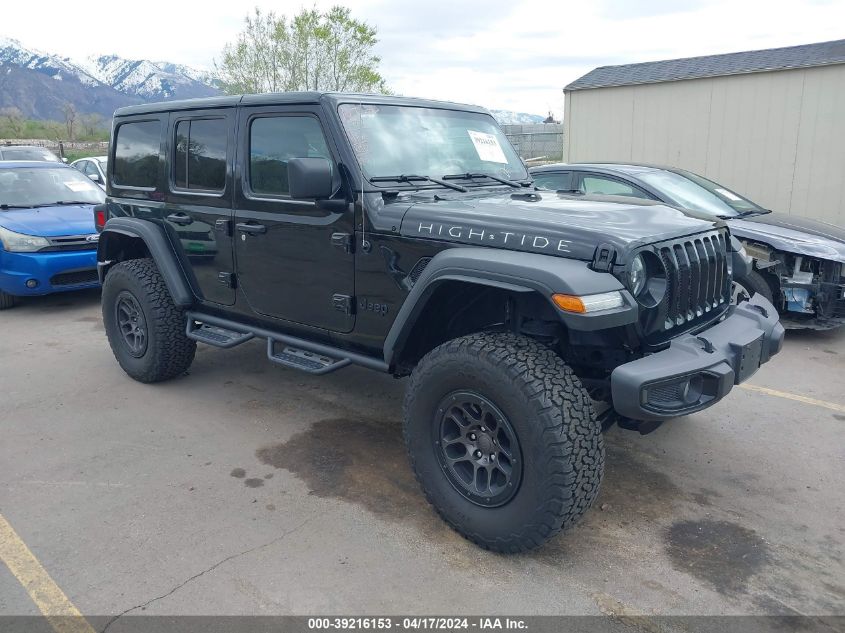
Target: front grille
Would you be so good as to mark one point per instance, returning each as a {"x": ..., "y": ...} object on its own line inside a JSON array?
[
  {"x": 74, "y": 278},
  {"x": 697, "y": 285},
  {"x": 696, "y": 276},
  {"x": 71, "y": 243}
]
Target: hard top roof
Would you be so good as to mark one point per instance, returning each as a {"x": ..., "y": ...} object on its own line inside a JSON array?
[{"x": 285, "y": 98}]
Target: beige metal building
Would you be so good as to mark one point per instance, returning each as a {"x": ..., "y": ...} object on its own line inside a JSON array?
[{"x": 769, "y": 124}]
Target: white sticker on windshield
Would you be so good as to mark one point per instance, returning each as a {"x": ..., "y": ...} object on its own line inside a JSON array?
[
  {"x": 487, "y": 146},
  {"x": 728, "y": 194},
  {"x": 79, "y": 186}
]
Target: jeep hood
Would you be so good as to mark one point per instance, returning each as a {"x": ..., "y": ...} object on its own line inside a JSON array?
[
  {"x": 548, "y": 222},
  {"x": 50, "y": 221},
  {"x": 801, "y": 236}
]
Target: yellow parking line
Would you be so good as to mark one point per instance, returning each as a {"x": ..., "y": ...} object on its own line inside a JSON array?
[
  {"x": 794, "y": 396},
  {"x": 50, "y": 600}
]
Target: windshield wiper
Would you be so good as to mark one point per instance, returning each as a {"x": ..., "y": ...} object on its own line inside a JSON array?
[
  {"x": 64, "y": 202},
  {"x": 414, "y": 178},
  {"x": 745, "y": 214},
  {"x": 6, "y": 207},
  {"x": 471, "y": 176}
]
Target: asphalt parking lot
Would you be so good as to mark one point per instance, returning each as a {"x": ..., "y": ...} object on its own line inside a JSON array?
[{"x": 245, "y": 488}]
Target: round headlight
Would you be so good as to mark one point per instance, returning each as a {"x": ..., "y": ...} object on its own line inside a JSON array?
[{"x": 636, "y": 275}]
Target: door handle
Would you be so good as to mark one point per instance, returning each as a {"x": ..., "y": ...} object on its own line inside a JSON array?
[
  {"x": 179, "y": 218},
  {"x": 251, "y": 228}
]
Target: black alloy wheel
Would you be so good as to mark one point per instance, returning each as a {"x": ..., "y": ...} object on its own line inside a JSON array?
[
  {"x": 478, "y": 449},
  {"x": 132, "y": 324}
]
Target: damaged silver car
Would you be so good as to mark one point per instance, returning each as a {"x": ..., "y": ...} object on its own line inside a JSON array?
[{"x": 799, "y": 263}]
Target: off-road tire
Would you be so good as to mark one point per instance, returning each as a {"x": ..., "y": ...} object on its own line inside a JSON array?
[
  {"x": 169, "y": 352},
  {"x": 753, "y": 283},
  {"x": 553, "y": 417},
  {"x": 7, "y": 301}
]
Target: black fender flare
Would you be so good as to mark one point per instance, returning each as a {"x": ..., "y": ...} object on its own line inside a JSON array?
[
  {"x": 517, "y": 272},
  {"x": 160, "y": 250}
]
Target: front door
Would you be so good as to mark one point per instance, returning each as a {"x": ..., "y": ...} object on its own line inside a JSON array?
[
  {"x": 199, "y": 198},
  {"x": 294, "y": 259}
]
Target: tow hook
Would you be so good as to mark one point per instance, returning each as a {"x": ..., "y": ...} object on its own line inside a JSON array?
[
  {"x": 760, "y": 309},
  {"x": 706, "y": 344}
]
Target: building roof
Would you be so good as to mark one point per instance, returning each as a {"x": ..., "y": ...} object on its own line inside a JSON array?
[{"x": 821, "y": 54}]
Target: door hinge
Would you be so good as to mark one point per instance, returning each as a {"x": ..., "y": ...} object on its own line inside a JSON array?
[
  {"x": 343, "y": 303},
  {"x": 228, "y": 279},
  {"x": 342, "y": 241},
  {"x": 223, "y": 226}
]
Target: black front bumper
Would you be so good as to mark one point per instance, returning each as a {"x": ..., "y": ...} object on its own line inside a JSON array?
[{"x": 698, "y": 370}]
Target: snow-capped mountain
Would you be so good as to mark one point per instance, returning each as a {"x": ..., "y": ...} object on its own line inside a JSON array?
[
  {"x": 508, "y": 117},
  {"x": 151, "y": 81},
  {"x": 41, "y": 84},
  {"x": 13, "y": 53}
]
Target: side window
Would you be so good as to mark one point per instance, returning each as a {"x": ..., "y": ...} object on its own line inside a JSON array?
[
  {"x": 199, "y": 159},
  {"x": 554, "y": 180},
  {"x": 80, "y": 166},
  {"x": 136, "y": 154},
  {"x": 90, "y": 169},
  {"x": 275, "y": 140},
  {"x": 609, "y": 187}
]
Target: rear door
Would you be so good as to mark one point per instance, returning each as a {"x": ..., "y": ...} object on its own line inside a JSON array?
[
  {"x": 294, "y": 257},
  {"x": 200, "y": 151}
]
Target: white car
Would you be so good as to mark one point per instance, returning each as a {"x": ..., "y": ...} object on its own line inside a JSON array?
[{"x": 94, "y": 167}]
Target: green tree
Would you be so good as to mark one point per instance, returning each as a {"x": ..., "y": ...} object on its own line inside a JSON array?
[{"x": 314, "y": 50}]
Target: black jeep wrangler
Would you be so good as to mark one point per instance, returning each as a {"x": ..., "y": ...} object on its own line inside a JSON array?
[{"x": 405, "y": 236}]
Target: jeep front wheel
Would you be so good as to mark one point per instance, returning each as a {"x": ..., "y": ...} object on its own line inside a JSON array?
[
  {"x": 503, "y": 440},
  {"x": 146, "y": 330}
]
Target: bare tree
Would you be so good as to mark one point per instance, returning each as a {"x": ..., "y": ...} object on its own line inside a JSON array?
[
  {"x": 90, "y": 124},
  {"x": 13, "y": 119},
  {"x": 70, "y": 115}
]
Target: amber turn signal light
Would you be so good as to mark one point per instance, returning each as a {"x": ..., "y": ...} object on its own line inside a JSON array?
[
  {"x": 589, "y": 303},
  {"x": 569, "y": 303}
]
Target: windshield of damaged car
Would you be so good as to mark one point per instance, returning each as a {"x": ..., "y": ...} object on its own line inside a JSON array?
[
  {"x": 691, "y": 191},
  {"x": 405, "y": 140}
]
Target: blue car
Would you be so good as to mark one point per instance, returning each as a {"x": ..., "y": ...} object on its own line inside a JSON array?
[{"x": 48, "y": 242}]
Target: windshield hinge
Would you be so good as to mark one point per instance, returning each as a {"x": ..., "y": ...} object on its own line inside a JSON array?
[{"x": 604, "y": 258}]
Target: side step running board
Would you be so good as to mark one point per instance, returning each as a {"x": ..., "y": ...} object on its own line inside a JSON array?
[
  {"x": 215, "y": 335},
  {"x": 290, "y": 351},
  {"x": 310, "y": 362}
]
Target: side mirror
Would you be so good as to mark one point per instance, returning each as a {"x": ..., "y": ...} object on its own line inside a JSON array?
[
  {"x": 64, "y": 160},
  {"x": 95, "y": 177},
  {"x": 310, "y": 178}
]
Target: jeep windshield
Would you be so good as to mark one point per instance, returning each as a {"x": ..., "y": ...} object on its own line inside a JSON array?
[
  {"x": 390, "y": 140},
  {"x": 30, "y": 187}
]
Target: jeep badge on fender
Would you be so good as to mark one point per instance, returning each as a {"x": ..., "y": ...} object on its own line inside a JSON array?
[{"x": 406, "y": 236}]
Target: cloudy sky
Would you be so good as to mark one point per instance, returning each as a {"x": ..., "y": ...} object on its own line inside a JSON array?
[{"x": 508, "y": 54}]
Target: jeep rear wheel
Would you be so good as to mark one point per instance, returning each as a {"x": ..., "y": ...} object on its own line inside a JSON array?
[
  {"x": 146, "y": 330},
  {"x": 503, "y": 440}
]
